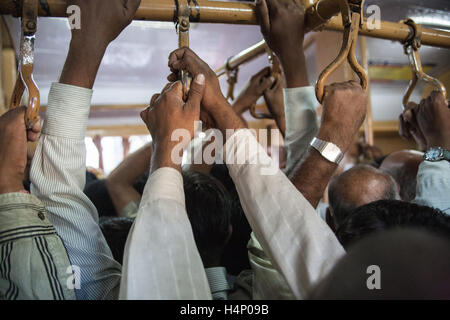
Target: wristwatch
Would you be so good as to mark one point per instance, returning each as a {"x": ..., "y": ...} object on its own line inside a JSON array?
[
  {"x": 437, "y": 154},
  {"x": 328, "y": 150}
]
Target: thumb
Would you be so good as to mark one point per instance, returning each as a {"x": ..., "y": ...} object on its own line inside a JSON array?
[{"x": 195, "y": 94}]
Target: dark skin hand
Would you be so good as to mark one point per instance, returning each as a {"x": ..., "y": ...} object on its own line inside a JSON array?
[
  {"x": 215, "y": 112},
  {"x": 349, "y": 99},
  {"x": 433, "y": 119},
  {"x": 275, "y": 18},
  {"x": 409, "y": 128},
  {"x": 253, "y": 90},
  {"x": 168, "y": 112},
  {"x": 101, "y": 22},
  {"x": 13, "y": 150},
  {"x": 274, "y": 99}
]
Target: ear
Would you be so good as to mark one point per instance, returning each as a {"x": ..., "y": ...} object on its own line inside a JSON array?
[{"x": 329, "y": 219}]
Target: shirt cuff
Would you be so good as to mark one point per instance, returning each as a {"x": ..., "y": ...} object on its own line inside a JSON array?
[
  {"x": 164, "y": 183},
  {"x": 67, "y": 111},
  {"x": 296, "y": 101}
]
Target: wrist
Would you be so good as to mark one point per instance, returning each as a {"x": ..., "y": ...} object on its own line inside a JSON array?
[
  {"x": 295, "y": 70},
  {"x": 434, "y": 143},
  {"x": 335, "y": 136},
  {"x": 164, "y": 155}
]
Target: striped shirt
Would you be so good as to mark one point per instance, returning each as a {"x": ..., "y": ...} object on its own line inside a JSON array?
[{"x": 58, "y": 174}]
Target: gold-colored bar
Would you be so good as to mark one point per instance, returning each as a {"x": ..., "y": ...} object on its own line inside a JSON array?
[
  {"x": 396, "y": 32},
  {"x": 243, "y": 13}
]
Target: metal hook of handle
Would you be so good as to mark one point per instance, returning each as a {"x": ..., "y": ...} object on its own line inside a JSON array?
[
  {"x": 411, "y": 46},
  {"x": 183, "y": 25},
  {"x": 25, "y": 79},
  {"x": 232, "y": 78},
  {"x": 352, "y": 18},
  {"x": 275, "y": 73}
]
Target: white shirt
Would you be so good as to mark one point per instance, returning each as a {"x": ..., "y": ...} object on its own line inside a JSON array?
[{"x": 162, "y": 262}]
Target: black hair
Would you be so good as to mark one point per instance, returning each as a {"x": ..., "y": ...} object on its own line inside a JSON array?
[
  {"x": 115, "y": 230},
  {"x": 235, "y": 255},
  {"x": 98, "y": 193},
  {"x": 402, "y": 263},
  {"x": 208, "y": 205},
  {"x": 388, "y": 214}
]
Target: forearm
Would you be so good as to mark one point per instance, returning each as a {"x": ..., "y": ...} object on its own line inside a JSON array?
[
  {"x": 313, "y": 175},
  {"x": 294, "y": 67},
  {"x": 82, "y": 63},
  {"x": 120, "y": 181}
]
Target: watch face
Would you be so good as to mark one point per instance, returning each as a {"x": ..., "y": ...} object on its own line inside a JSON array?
[{"x": 434, "y": 154}]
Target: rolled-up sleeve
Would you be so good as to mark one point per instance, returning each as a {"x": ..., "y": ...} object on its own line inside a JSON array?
[
  {"x": 301, "y": 123},
  {"x": 58, "y": 174},
  {"x": 433, "y": 185}
]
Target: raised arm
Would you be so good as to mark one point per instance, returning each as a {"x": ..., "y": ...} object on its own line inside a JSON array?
[
  {"x": 120, "y": 181},
  {"x": 59, "y": 164},
  {"x": 344, "y": 110},
  {"x": 298, "y": 120},
  {"x": 300, "y": 244},
  {"x": 161, "y": 260}
]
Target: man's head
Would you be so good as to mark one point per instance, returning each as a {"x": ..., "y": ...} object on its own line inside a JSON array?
[
  {"x": 355, "y": 187},
  {"x": 389, "y": 214},
  {"x": 235, "y": 255},
  {"x": 403, "y": 166},
  {"x": 209, "y": 207},
  {"x": 397, "y": 264}
]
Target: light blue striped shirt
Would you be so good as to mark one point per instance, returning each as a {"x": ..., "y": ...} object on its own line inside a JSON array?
[{"x": 58, "y": 174}]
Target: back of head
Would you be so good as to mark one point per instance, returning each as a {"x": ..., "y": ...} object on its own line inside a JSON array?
[
  {"x": 235, "y": 255},
  {"x": 98, "y": 193},
  {"x": 357, "y": 186},
  {"x": 403, "y": 166},
  {"x": 208, "y": 206},
  {"x": 388, "y": 214},
  {"x": 396, "y": 264},
  {"x": 115, "y": 230}
]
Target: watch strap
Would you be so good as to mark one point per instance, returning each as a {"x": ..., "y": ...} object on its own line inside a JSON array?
[{"x": 328, "y": 150}]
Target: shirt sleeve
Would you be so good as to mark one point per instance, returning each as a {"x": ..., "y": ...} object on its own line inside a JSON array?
[
  {"x": 161, "y": 260},
  {"x": 301, "y": 123},
  {"x": 433, "y": 185},
  {"x": 58, "y": 174},
  {"x": 300, "y": 244},
  {"x": 33, "y": 261}
]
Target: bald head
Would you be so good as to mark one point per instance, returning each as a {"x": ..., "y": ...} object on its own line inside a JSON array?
[
  {"x": 358, "y": 186},
  {"x": 403, "y": 166}
]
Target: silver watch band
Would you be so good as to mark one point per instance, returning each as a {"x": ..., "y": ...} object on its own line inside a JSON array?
[{"x": 328, "y": 150}]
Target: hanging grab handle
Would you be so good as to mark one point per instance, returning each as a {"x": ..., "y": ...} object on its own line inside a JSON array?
[
  {"x": 352, "y": 17},
  {"x": 411, "y": 46},
  {"x": 25, "y": 79},
  {"x": 275, "y": 73}
]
